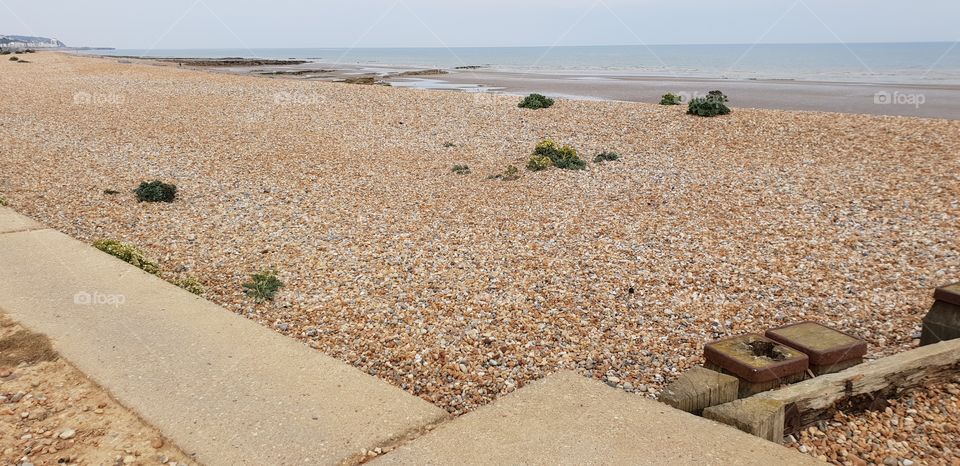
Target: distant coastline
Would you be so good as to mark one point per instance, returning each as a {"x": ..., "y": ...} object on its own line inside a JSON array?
[
  {"x": 925, "y": 100},
  {"x": 900, "y": 63}
]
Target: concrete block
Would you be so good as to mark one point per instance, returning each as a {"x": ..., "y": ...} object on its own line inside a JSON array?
[
  {"x": 760, "y": 363},
  {"x": 828, "y": 350}
]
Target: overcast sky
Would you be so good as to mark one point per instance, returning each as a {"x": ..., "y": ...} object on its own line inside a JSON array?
[{"x": 436, "y": 23}]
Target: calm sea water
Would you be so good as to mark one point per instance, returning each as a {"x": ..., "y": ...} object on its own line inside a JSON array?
[{"x": 932, "y": 63}]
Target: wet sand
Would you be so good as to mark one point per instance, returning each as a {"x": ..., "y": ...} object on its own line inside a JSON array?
[
  {"x": 904, "y": 99},
  {"x": 935, "y": 101}
]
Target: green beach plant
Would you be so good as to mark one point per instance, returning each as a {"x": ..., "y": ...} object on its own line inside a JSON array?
[
  {"x": 671, "y": 99},
  {"x": 191, "y": 284},
  {"x": 461, "y": 169},
  {"x": 263, "y": 286},
  {"x": 606, "y": 157},
  {"x": 510, "y": 174},
  {"x": 539, "y": 162},
  {"x": 715, "y": 103},
  {"x": 127, "y": 253},
  {"x": 156, "y": 191},
  {"x": 564, "y": 157},
  {"x": 3, "y": 202},
  {"x": 536, "y": 102},
  {"x": 449, "y": 144}
]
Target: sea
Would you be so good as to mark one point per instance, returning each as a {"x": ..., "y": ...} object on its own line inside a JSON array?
[{"x": 908, "y": 63}]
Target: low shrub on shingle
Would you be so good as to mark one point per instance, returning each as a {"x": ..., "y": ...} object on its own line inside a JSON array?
[
  {"x": 127, "y": 253},
  {"x": 156, "y": 191},
  {"x": 263, "y": 286},
  {"x": 714, "y": 104},
  {"x": 564, "y": 157},
  {"x": 536, "y": 102}
]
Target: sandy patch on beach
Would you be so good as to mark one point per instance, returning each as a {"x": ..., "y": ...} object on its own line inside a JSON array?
[
  {"x": 458, "y": 288},
  {"x": 51, "y": 414}
]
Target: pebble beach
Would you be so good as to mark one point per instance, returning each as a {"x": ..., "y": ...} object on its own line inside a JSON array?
[{"x": 460, "y": 288}]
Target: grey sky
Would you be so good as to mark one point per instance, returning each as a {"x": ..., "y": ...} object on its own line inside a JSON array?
[{"x": 435, "y": 23}]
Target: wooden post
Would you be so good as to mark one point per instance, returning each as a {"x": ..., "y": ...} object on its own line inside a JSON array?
[
  {"x": 763, "y": 418},
  {"x": 700, "y": 388}
]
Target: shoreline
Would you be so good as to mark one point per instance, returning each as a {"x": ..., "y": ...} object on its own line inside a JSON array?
[{"x": 871, "y": 98}]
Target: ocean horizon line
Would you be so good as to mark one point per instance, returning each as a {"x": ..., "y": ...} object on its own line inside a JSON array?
[{"x": 443, "y": 47}]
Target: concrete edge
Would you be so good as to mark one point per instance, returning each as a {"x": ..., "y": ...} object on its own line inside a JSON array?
[{"x": 13, "y": 222}]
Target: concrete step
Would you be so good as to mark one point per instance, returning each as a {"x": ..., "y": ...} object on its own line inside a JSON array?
[
  {"x": 567, "y": 419},
  {"x": 222, "y": 387}
]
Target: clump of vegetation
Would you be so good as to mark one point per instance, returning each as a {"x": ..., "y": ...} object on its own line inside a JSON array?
[
  {"x": 156, "y": 191},
  {"x": 127, "y": 253},
  {"x": 191, "y": 284},
  {"x": 606, "y": 157},
  {"x": 671, "y": 99},
  {"x": 461, "y": 169},
  {"x": 3, "y": 202},
  {"x": 539, "y": 162},
  {"x": 14, "y": 58},
  {"x": 536, "y": 102},
  {"x": 449, "y": 145},
  {"x": 510, "y": 174},
  {"x": 110, "y": 192},
  {"x": 564, "y": 157},
  {"x": 263, "y": 286},
  {"x": 715, "y": 103}
]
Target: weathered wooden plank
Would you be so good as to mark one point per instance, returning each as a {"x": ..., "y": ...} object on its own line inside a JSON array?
[{"x": 866, "y": 385}]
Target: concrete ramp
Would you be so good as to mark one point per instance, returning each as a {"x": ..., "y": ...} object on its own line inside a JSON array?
[
  {"x": 222, "y": 387},
  {"x": 567, "y": 419}
]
